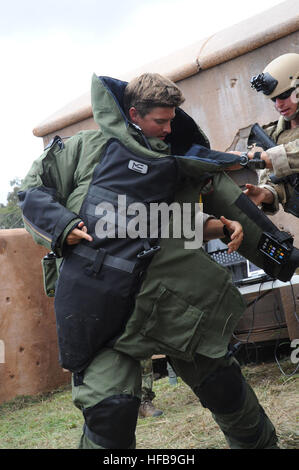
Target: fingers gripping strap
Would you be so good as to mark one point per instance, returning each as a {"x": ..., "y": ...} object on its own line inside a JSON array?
[
  {"x": 61, "y": 225},
  {"x": 111, "y": 423}
]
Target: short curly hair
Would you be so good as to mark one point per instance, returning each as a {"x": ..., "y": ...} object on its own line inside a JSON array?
[{"x": 150, "y": 90}]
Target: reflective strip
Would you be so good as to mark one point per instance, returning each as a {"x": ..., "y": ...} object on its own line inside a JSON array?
[
  {"x": 39, "y": 233},
  {"x": 112, "y": 261}
]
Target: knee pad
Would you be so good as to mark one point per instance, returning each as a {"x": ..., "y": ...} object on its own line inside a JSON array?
[
  {"x": 223, "y": 391},
  {"x": 111, "y": 423}
]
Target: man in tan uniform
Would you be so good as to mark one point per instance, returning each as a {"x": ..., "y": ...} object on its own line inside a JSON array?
[{"x": 280, "y": 82}]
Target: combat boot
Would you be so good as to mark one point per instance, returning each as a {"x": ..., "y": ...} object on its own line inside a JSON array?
[{"x": 148, "y": 410}]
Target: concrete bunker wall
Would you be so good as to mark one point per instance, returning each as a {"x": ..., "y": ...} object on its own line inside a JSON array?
[{"x": 28, "y": 342}]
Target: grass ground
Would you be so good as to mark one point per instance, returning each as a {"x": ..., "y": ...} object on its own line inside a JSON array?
[{"x": 50, "y": 421}]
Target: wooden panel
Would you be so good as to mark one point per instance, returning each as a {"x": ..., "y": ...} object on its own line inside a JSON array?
[
  {"x": 290, "y": 302},
  {"x": 261, "y": 336},
  {"x": 264, "y": 319}
]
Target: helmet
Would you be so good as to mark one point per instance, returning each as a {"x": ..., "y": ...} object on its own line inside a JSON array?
[{"x": 280, "y": 75}]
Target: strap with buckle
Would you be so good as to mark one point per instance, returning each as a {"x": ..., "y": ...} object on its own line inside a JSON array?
[{"x": 101, "y": 257}]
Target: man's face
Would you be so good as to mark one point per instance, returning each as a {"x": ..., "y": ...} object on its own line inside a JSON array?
[
  {"x": 288, "y": 106},
  {"x": 156, "y": 123}
]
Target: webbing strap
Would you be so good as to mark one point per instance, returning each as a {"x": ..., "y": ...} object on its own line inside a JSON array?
[
  {"x": 250, "y": 209},
  {"x": 107, "y": 260}
]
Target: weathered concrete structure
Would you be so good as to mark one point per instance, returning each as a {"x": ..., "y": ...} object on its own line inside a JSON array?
[
  {"x": 214, "y": 76},
  {"x": 29, "y": 359}
]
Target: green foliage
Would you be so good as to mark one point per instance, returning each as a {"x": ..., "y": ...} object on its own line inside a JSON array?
[{"x": 10, "y": 214}]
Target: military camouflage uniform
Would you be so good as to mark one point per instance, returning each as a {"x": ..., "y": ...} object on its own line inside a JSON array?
[
  {"x": 285, "y": 162},
  {"x": 147, "y": 380}
]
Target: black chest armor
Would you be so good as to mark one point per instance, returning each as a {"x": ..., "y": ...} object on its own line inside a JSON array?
[{"x": 99, "y": 280}]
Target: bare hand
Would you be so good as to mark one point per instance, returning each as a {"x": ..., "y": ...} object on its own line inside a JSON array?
[
  {"x": 79, "y": 233},
  {"x": 264, "y": 156},
  {"x": 259, "y": 195},
  {"x": 250, "y": 154},
  {"x": 236, "y": 233}
]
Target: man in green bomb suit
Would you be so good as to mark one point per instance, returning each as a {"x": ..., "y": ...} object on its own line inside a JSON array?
[{"x": 120, "y": 299}]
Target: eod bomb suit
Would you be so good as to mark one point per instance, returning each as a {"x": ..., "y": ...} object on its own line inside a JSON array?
[{"x": 120, "y": 300}]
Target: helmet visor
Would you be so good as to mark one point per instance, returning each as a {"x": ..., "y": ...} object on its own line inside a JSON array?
[{"x": 284, "y": 95}]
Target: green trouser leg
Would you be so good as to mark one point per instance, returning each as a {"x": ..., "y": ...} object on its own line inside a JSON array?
[
  {"x": 108, "y": 393},
  {"x": 221, "y": 387},
  {"x": 246, "y": 423}
]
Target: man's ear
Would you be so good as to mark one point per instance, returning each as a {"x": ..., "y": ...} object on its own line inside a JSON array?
[{"x": 133, "y": 113}]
